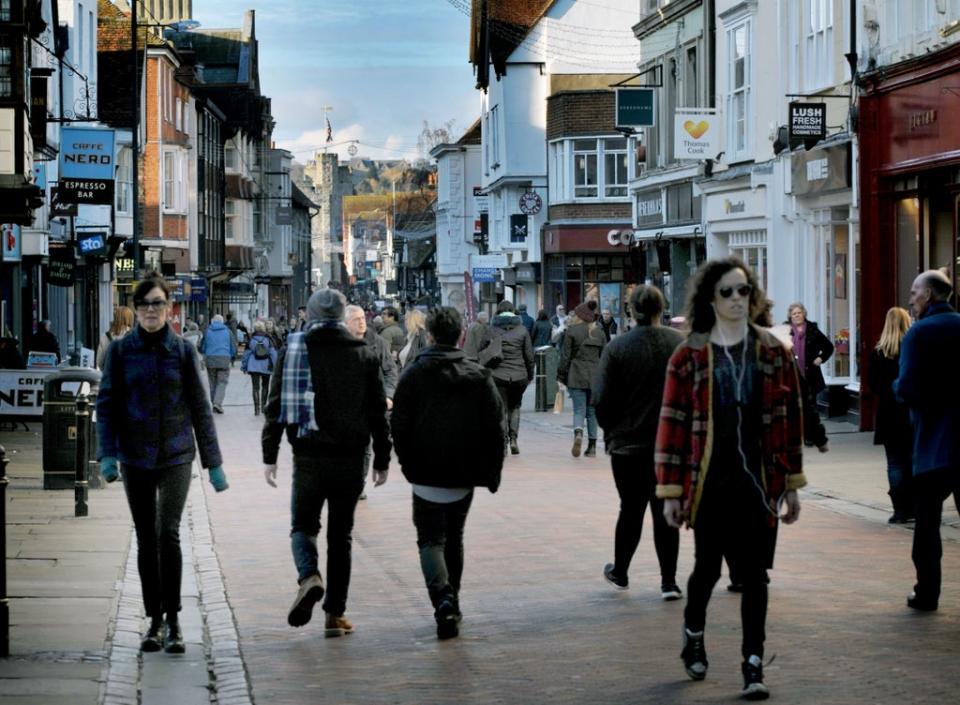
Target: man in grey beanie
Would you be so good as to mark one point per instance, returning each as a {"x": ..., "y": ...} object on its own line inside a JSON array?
[{"x": 327, "y": 393}]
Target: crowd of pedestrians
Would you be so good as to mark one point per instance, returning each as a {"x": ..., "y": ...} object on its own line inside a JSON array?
[{"x": 706, "y": 426}]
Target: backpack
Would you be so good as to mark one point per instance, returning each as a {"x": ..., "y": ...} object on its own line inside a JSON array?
[{"x": 261, "y": 351}]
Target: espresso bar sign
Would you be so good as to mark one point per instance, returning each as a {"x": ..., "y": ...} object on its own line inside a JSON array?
[
  {"x": 808, "y": 122},
  {"x": 86, "y": 166}
]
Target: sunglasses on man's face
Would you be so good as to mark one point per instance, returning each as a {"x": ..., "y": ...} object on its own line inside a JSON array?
[{"x": 727, "y": 291}]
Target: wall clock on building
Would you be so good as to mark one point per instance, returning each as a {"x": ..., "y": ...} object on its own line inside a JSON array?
[{"x": 530, "y": 203}]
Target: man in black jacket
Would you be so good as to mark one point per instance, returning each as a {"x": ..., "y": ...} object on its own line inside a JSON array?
[
  {"x": 448, "y": 434},
  {"x": 335, "y": 383},
  {"x": 627, "y": 394}
]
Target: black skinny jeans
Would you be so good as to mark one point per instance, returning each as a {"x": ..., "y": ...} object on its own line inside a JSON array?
[
  {"x": 156, "y": 497},
  {"x": 731, "y": 521},
  {"x": 511, "y": 393},
  {"x": 440, "y": 540},
  {"x": 636, "y": 484},
  {"x": 931, "y": 489},
  {"x": 337, "y": 482},
  {"x": 260, "y": 383}
]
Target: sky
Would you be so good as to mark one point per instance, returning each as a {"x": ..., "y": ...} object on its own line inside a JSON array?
[{"x": 382, "y": 66}]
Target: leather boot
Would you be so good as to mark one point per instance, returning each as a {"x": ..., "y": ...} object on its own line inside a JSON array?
[
  {"x": 577, "y": 442},
  {"x": 514, "y": 448},
  {"x": 591, "y": 451}
]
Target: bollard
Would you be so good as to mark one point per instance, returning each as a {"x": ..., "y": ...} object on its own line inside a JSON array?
[
  {"x": 4, "y": 605},
  {"x": 80, "y": 463}
]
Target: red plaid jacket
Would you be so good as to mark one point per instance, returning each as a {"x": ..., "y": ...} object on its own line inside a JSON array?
[{"x": 685, "y": 433}]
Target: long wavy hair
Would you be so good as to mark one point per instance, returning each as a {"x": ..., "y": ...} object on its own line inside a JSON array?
[
  {"x": 894, "y": 328},
  {"x": 700, "y": 314}
]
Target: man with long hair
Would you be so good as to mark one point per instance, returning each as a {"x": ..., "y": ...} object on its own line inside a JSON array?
[{"x": 729, "y": 453}]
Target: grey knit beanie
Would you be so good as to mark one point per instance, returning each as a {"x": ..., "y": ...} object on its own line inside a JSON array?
[{"x": 326, "y": 305}]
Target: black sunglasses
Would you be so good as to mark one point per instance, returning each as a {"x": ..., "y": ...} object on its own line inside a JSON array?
[
  {"x": 155, "y": 304},
  {"x": 727, "y": 291}
]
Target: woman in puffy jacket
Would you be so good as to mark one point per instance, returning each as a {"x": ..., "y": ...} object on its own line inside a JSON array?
[{"x": 258, "y": 361}]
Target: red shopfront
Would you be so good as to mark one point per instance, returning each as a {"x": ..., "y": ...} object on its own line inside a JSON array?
[
  {"x": 584, "y": 262},
  {"x": 909, "y": 186}
]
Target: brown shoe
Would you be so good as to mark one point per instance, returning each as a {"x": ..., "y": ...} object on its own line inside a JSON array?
[
  {"x": 337, "y": 626},
  {"x": 577, "y": 443},
  {"x": 309, "y": 594}
]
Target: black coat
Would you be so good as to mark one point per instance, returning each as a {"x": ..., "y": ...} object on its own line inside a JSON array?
[
  {"x": 349, "y": 402},
  {"x": 629, "y": 387},
  {"x": 892, "y": 426},
  {"x": 542, "y": 332},
  {"x": 517, "y": 364},
  {"x": 447, "y": 421},
  {"x": 151, "y": 403},
  {"x": 817, "y": 345}
]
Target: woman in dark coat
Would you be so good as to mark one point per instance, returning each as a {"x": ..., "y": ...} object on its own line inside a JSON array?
[
  {"x": 893, "y": 429},
  {"x": 583, "y": 345},
  {"x": 811, "y": 347},
  {"x": 542, "y": 329},
  {"x": 150, "y": 405}
]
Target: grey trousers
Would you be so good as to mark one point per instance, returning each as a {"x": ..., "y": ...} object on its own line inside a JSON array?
[{"x": 218, "y": 384}]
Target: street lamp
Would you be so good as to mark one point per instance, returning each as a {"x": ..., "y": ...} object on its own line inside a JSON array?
[{"x": 181, "y": 26}]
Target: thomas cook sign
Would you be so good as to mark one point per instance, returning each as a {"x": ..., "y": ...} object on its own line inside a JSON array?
[
  {"x": 696, "y": 135},
  {"x": 86, "y": 166}
]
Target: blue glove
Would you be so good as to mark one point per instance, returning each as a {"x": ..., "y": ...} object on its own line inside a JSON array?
[
  {"x": 218, "y": 479},
  {"x": 109, "y": 470}
]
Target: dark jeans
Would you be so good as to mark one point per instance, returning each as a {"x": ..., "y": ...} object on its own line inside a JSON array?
[
  {"x": 636, "y": 483},
  {"x": 731, "y": 521},
  {"x": 583, "y": 409},
  {"x": 900, "y": 478},
  {"x": 156, "y": 497},
  {"x": 440, "y": 540},
  {"x": 813, "y": 428},
  {"x": 930, "y": 490},
  {"x": 260, "y": 382},
  {"x": 512, "y": 395},
  {"x": 337, "y": 482}
]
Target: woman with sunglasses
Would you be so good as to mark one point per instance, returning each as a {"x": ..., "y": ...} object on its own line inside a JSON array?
[
  {"x": 150, "y": 406},
  {"x": 728, "y": 453}
]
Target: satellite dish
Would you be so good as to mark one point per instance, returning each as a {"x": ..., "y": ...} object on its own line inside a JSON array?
[{"x": 352, "y": 150}]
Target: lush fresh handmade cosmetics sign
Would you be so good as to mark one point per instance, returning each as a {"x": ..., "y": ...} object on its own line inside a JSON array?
[{"x": 86, "y": 166}]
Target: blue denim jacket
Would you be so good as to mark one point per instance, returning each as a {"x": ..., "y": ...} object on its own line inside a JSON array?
[{"x": 152, "y": 402}]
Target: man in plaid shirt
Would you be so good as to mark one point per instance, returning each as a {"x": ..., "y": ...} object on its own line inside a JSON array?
[{"x": 728, "y": 453}]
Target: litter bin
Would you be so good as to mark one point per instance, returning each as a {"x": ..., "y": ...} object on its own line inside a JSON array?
[
  {"x": 60, "y": 392},
  {"x": 545, "y": 377}
]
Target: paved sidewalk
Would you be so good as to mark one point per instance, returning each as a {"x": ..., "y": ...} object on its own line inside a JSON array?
[{"x": 541, "y": 625}]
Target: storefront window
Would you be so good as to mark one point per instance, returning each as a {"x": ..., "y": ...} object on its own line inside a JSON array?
[
  {"x": 835, "y": 234},
  {"x": 908, "y": 246},
  {"x": 751, "y": 247}
]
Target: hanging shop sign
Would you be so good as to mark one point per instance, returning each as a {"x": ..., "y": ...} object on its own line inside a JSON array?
[
  {"x": 62, "y": 266},
  {"x": 123, "y": 267},
  {"x": 484, "y": 275},
  {"x": 696, "y": 134},
  {"x": 284, "y": 215},
  {"x": 11, "y": 242},
  {"x": 530, "y": 203},
  {"x": 92, "y": 244},
  {"x": 59, "y": 209},
  {"x": 481, "y": 206},
  {"x": 821, "y": 170},
  {"x": 518, "y": 227},
  {"x": 808, "y": 122},
  {"x": 86, "y": 166},
  {"x": 636, "y": 107}
]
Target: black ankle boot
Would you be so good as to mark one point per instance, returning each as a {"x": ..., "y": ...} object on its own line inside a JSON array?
[
  {"x": 153, "y": 639},
  {"x": 591, "y": 451},
  {"x": 173, "y": 639}
]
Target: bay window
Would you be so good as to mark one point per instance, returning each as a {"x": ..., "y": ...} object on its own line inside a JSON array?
[
  {"x": 585, "y": 168},
  {"x": 590, "y": 168}
]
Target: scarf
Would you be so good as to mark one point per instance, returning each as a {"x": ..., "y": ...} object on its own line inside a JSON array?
[{"x": 296, "y": 390}]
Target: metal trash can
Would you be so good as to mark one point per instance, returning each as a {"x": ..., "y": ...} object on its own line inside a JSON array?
[
  {"x": 60, "y": 392},
  {"x": 545, "y": 377}
]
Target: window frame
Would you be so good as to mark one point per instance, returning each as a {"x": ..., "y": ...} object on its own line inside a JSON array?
[
  {"x": 177, "y": 184},
  {"x": 9, "y": 77},
  {"x": 124, "y": 177},
  {"x": 818, "y": 68},
  {"x": 562, "y": 168},
  {"x": 742, "y": 152}
]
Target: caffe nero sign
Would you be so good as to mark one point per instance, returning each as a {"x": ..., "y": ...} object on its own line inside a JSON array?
[{"x": 86, "y": 166}]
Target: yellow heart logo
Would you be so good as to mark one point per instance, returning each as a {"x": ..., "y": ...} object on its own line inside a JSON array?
[{"x": 696, "y": 130}]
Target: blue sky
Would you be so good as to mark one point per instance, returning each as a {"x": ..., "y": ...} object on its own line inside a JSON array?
[{"x": 384, "y": 66}]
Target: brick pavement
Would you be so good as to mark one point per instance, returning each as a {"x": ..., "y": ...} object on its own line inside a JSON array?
[{"x": 541, "y": 626}]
